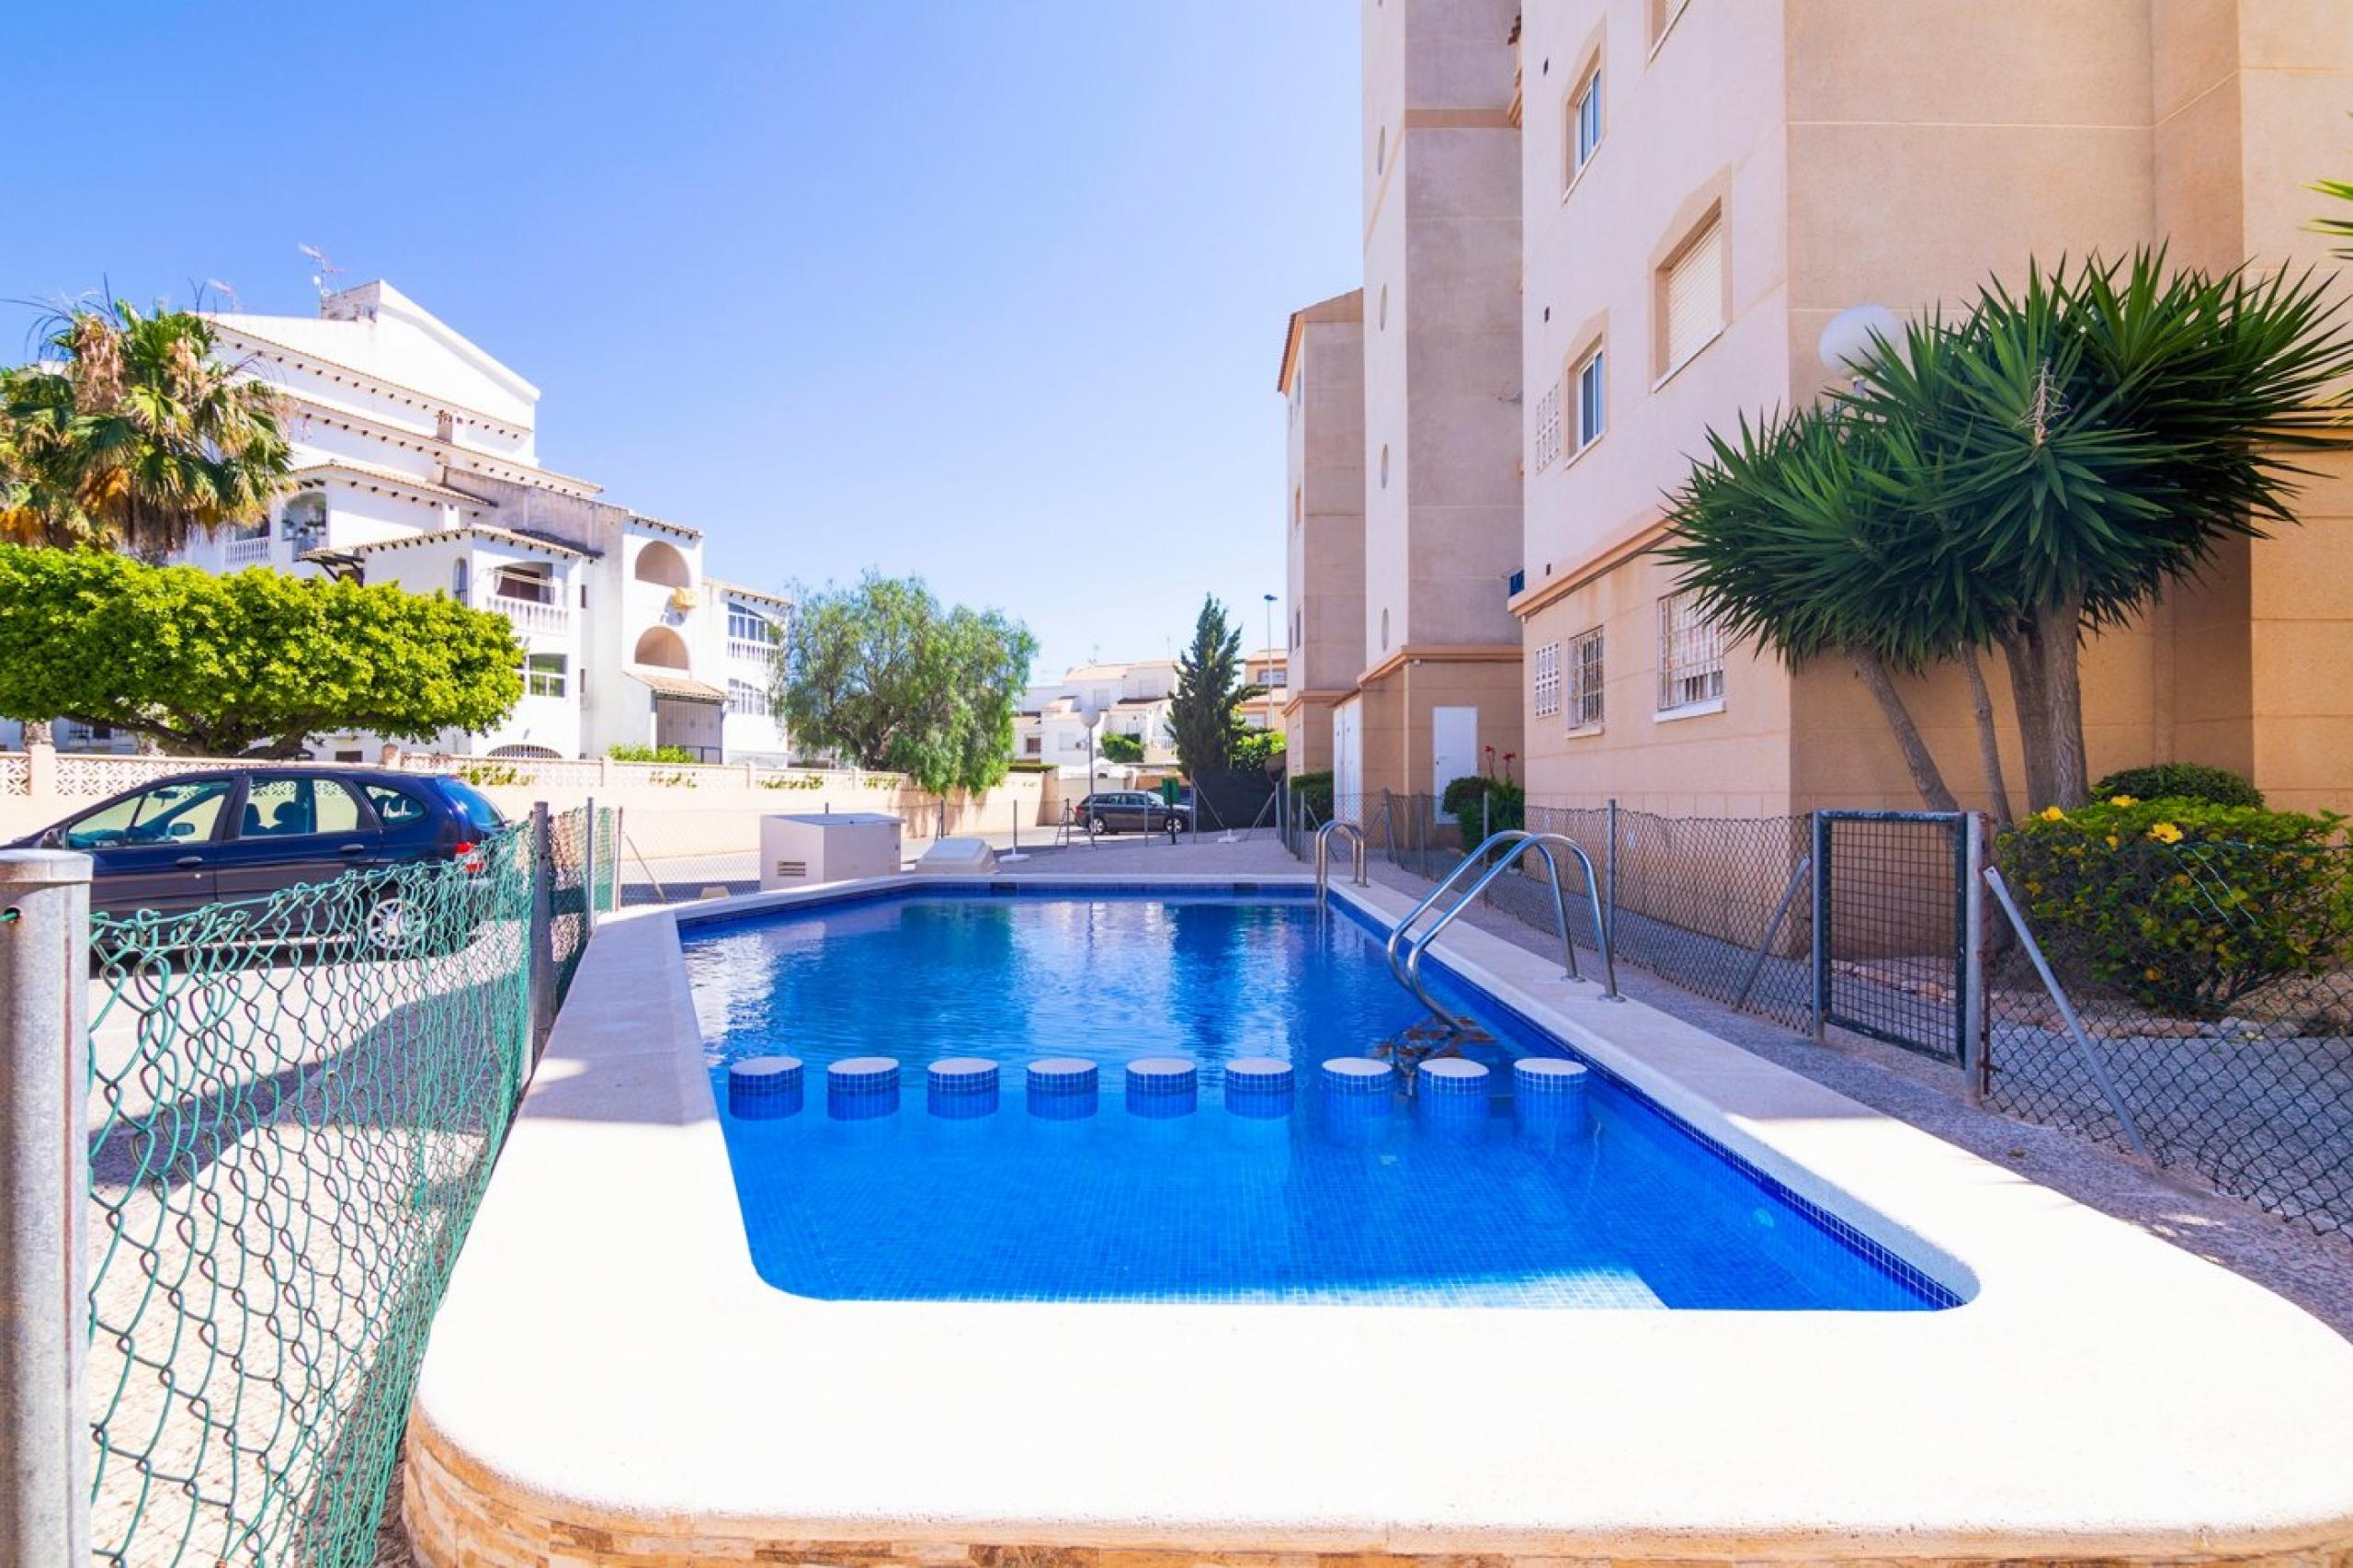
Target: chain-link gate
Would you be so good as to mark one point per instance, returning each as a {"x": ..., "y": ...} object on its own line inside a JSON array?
[{"x": 1893, "y": 902}]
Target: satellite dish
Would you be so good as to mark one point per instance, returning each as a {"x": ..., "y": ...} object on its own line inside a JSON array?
[{"x": 1846, "y": 344}]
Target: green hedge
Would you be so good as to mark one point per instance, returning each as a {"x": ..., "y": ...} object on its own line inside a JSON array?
[
  {"x": 2179, "y": 781},
  {"x": 1312, "y": 792},
  {"x": 1477, "y": 802},
  {"x": 652, "y": 753},
  {"x": 2183, "y": 905}
]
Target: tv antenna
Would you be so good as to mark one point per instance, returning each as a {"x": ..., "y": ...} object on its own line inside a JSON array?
[{"x": 327, "y": 269}]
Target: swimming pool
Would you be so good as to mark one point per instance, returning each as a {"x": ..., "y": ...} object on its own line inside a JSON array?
[{"x": 1204, "y": 1185}]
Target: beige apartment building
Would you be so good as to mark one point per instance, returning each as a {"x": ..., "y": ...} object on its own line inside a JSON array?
[
  {"x": 1432, "y": 678},
  {"x": 1706, "y": 183}
]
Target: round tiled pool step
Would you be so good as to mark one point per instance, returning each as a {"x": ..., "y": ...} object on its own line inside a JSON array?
[
  {"x": 862, "y": 1088},
  {"x": 1548, "y": 1095},
  {"x": 1062, "y": 1088},
  {"x": 1451, "y": 1096},
  {"x": 962, "y": 1087},
  {"x": 1163, "y": 1086},
  {"x": 1359, "y": 1094},
  {"x": 759, "y": 1087},
  {"x": 1259, "y": 1087}
]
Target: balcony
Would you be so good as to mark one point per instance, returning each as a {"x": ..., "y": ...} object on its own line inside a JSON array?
[
  {"x": 750, "y": 651},
  {"x": 531, "y": 615},
  {"x": 243, "y": 553}
]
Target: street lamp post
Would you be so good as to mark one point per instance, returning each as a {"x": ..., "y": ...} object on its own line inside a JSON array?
[{"x": 1271, "y": 648}]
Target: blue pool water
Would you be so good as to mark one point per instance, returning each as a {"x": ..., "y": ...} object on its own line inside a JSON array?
[{"x": 1379, "y": 1200}]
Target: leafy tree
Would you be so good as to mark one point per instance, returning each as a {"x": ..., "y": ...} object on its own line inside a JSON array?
[
  {"x": 1203, "y": 723},
  {"x": 134, "y": 435},
  {"x": 1117, "y": 747},
  {"x": 883, "y": 674},
  {"x": 259, "y": 661},
  {"x": 1260, "y": 748}
]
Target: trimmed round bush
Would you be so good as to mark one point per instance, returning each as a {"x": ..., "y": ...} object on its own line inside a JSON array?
[
  {"x": 2179, "y": 781},
  {"x": 2183, "y": 905}
]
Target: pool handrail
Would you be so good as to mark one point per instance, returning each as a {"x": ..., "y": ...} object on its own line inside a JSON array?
[
  {"x": 1518, "y": 842},
  {"x": 1324, "y": 856}
]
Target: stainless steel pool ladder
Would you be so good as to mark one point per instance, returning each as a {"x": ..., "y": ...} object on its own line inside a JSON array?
[
  {"x": 1323, "y": 858},
  {"x": 1404, "y": 950}
]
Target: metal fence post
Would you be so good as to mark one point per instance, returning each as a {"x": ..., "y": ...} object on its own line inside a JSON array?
[
  {"x": 1610, "y": 872},
  {"x": 543, "y": 932},
  {"x": 45, "y": 1451},
  {"x": 1972, "y": 958},
  {"x": 588, "y": 876},
  {"x": 1821, "y": 926}
]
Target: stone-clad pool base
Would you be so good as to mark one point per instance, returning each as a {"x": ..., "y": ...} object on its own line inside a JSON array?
[{"x": 609, "y": 1383}]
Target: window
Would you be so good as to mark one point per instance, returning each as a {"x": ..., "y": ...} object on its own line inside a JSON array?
[
  {"x": 1584, "y": 124},
  {"x": 532, "y": 588},
  {"x": 303, "y": 519},
  {"x": 543, "y": 675},
  {"x": 1585, "y": 679},
  {"x": 1032, "y": 746},
  {"x": 395, "y": 806},
  {"x": 1690, "y": 654},
  {"x": 1692, "y": 297},
  {"x": 166, "y": 814},
  {"x": 1277, "y": 675},
  {"x": 744, "y": 698},
  {"x": 459, "y": 580},
  {"x": 1545, "y": 670},
  {"x": 1591, "y": 414},
  {"x": 745, "y": 625},
  {"x": 285, "y": 807},
  {"x": 1548, "y": 428}
]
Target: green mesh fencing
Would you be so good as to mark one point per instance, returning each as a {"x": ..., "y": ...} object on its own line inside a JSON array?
[
  {"x": 296, "y": 1102},
  {"x": 580, "y": 876}
]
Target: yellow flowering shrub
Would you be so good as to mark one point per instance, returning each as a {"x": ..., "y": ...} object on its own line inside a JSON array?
[{"x": 2184, "y": 906}]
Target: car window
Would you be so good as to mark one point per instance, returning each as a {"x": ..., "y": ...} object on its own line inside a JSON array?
[
  {"x": 396, "y": 807},
  {"x": 292, "y": 805},
  {"x": 481, "y": 815},
  {"x": 169, "y": 813}
]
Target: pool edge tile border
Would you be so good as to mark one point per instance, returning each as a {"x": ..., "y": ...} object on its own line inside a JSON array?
[{"x": 585, "y": 1394}]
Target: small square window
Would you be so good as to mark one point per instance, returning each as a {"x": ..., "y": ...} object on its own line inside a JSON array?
[{"x": 543, "y": 675}]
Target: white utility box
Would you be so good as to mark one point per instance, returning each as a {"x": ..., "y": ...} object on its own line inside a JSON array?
[
  {"x": 959, "y": 856},
  {"x": 829, "y": 846}
]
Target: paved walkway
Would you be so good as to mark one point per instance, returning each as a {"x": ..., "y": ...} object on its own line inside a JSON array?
[{"x": 2315, "y": 1272}]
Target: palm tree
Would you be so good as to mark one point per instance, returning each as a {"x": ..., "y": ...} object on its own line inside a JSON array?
[
  {"x": 1796, "y": 537},
  {"x": 136, "y": 436},
  {"x": 2094, "y": 439}
]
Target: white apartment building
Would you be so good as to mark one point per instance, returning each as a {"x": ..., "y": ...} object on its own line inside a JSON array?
[
  {"x": 415, "y": 462},
  {"x": 1059, "y": 721}
]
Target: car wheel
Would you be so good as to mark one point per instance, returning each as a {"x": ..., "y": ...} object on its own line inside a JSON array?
[
  {"x": 1174, "y": 824},
  {"x": 1098, "y": 825},
  {"x": 392, "y": 929}
]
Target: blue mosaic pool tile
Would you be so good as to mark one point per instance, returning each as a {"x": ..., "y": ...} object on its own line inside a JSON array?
[{"x": 1343, "y": 1198}]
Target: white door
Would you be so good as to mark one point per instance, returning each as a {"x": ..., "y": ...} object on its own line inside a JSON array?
[
  {"x": 1454, "y": 746},
  {"x": 1347, "y": 761}
]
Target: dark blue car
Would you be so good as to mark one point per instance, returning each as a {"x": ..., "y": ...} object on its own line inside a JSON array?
[{"x": 195, "y": 838}]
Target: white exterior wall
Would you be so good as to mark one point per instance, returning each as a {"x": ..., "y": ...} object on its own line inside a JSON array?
[{"x": 441, "y": 438}]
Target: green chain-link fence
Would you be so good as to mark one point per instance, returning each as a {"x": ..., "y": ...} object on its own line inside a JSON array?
[{"x": 296, "y": 1102}]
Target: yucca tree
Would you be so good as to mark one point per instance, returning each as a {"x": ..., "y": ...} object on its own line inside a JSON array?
[
  {"x": 2095, "y": 438},
  {"x": 135, "y": 435},
  {"x": 1798, "y": 536}
]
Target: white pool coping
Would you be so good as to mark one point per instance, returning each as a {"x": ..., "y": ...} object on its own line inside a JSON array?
[{"x": 607, "y": 1355}]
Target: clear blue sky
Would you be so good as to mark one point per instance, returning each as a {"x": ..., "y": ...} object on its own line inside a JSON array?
[{"x": 990, "y": 290}]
